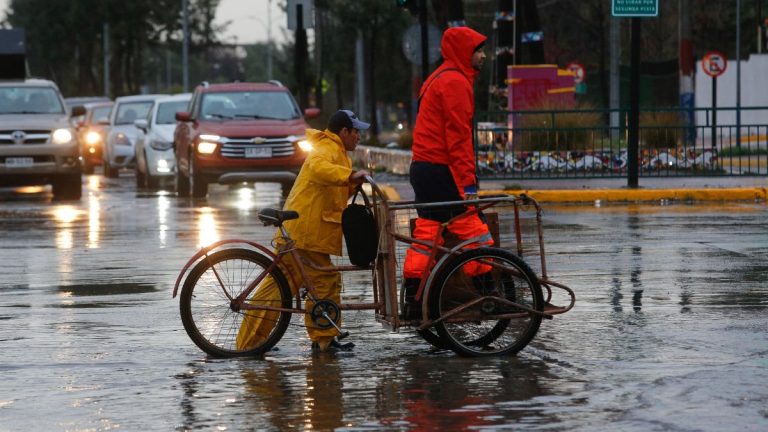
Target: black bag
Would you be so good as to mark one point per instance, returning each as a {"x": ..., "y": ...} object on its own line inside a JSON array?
[{"x": 360, "y": 231}]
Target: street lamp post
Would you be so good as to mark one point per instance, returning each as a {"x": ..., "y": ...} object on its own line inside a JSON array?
[
  {"x": 269, "y": 40},
  {"x": 185, "y": 47}
]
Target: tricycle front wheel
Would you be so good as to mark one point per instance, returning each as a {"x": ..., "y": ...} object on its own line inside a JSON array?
[{"x": 485, "y": 302}]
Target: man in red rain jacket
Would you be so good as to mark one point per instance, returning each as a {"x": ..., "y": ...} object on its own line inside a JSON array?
[{"x": 443, "y": 164}]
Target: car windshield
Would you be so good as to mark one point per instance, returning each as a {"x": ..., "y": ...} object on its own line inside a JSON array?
[
  {"x": 127, "y": 112},
  {"x": 256, "y": 105},
  {"x": 30, "y": 100},
  {"x": 101, "y": 113},
  {"x": 166, "y": 111}
]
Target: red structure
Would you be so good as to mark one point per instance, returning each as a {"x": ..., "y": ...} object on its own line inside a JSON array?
[{"x": 540, "y": 87}]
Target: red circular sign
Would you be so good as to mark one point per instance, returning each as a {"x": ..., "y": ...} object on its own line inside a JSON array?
[
  {"x": 578, "y": 71},
  {"x": 714, "y": 63}
]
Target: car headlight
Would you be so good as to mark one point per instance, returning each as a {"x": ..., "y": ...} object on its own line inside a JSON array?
[
  {"x": 213, "y": 138},
  {"x": 160, "y": 145},
  {"x": 92, "y": 138},
  {"x": 305, "y": 145},
  {"x": 206, "y": 147},
  {"x": 122, "y": 139},
  {"x": 61, "y": 136}
]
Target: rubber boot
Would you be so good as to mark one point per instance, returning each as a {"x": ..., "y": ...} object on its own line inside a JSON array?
[{"x": 412, "y": 308}]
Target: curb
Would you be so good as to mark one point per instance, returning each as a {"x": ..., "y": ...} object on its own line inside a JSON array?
[{"x": 591, "y": 195}]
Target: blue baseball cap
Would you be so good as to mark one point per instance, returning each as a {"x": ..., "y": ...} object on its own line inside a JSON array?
[{"x": 346, "y": 119}]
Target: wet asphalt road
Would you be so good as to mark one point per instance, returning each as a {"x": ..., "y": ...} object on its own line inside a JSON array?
[{"x": 670, "y": 331}]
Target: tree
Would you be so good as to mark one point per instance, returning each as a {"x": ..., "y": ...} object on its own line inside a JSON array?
[{"x": 64, "y": 39}]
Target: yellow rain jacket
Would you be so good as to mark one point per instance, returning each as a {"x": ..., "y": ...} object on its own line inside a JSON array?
[{"x": 320, "y": 194}]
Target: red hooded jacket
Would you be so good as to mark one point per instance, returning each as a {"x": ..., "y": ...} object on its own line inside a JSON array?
[{"x": 443, "y": 132}]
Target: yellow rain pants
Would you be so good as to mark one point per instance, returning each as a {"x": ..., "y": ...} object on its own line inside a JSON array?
[{"x": 257, "y": 324}]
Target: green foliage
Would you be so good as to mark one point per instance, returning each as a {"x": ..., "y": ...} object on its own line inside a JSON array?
[
  {"x": 660, "y": 129},
  {"x": 555, "y": 130},
  {"x": 65, "y": 39},
  {"x": 742, "y": 151}
]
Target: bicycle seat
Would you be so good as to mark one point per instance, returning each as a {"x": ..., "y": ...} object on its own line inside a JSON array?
[{"x": 276, "y": 217}]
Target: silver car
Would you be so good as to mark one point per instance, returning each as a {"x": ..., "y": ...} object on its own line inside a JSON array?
[
  {"x": 155, "y": 159},
  {"x": 38, "y": 146},
  {"x": 119, "y": 151}
]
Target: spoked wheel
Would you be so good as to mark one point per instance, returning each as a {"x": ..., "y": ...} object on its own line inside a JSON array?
[
  {"x": 211, "y": 321},
  {"x": 481, "y": 315}
]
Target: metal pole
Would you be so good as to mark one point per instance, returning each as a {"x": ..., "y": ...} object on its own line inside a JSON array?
[
  {"x": 424, "y": 40},
  {"x": 615, "y": 95},
  {"x": 106, "y": 59},
  {"x": 269, "y": 40},
  {"x": 185, "y": 46},
  {"x": 738, "y": 73},
  {"x": 634, "y": 106},
  {"x": 714, "y": 112},
  {"x": 360, "y": 72}
]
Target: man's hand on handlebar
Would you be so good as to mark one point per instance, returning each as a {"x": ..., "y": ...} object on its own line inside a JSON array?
[{"x": 358, "y": 177}]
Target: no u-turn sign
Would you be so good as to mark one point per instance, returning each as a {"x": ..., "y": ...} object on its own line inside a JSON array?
[{"x": 714, "y": 63}]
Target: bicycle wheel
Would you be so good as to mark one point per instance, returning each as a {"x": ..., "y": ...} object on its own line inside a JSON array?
[
  {"x": 209, "y": 319},
  {"x": 478, "y": 318}
]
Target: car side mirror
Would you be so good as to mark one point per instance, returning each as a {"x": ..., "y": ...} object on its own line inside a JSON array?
[
  {"x": 311, "y": 112},
  {"x": 78, "y": 111},
  {"x": 142, "y": 124},
  {"x": 183, "y": 116}
]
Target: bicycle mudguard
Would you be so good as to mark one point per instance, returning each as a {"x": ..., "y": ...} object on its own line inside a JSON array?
[{"x": 205, "y": 250}]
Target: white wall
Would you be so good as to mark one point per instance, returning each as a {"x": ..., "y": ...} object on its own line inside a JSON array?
[{"x": 754, "y": 93}]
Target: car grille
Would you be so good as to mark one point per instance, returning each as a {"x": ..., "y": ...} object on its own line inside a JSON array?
[
  {"x": 29, "y": 136},
  {"x": 235, "y": 147}
]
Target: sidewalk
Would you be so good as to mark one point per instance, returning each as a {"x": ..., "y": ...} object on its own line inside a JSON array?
[{"x": 614, "y": 189}]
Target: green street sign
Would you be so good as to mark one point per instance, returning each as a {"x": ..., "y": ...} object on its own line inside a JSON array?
[{"x": 635, "y": 8}]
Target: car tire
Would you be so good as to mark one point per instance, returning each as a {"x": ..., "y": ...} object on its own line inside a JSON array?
[
  {"x": 198, "y": 185},
  {"x": 141, "y": 179},
  {"x": 68, "y": 187},
  {"x": 182, "y": 184},
  {"x": 87, "y": 167},
  {"x": 110, "y": 171},
  {"x": 152, "y": 182}
]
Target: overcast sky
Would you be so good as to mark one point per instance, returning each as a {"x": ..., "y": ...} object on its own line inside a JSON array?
[{"x": 248, "y": 19}]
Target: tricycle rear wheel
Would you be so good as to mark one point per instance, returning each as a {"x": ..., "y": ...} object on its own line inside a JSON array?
[{"x": 475, "y": 313}]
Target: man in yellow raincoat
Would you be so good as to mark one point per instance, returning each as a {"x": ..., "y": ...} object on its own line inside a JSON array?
[{"x": 320, "y": 194}]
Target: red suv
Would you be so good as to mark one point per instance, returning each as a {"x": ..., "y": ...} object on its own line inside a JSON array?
[{"x": 240, "y": 132}]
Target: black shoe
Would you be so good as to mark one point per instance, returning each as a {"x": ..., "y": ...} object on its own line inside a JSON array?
[
  {"x": 334, "y": 346},
  {"x": 412, "y": 310},
  {"x": 346, "y": 346}
]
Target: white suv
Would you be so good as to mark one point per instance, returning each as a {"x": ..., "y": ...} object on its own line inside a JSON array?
[
  {"x": 155, "y": 159},
  {"x": 37, "y": 143},
  {"x": 119, "y": 151}
]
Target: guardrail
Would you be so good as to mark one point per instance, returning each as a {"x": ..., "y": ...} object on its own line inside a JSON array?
[
  {"x": 577, "y": 143},
  {"x": 382, "y": 159}
]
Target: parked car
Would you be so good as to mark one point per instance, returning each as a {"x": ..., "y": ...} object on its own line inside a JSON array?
[
  {"x": 154, "y": 144},
  {"x": 72, "y": 102},
  {"x": 92, "y": 131},
  {"x": 239, "y": 132},
  {"x": 37, "y": 143},
  {"x": 119, "y": 149}
]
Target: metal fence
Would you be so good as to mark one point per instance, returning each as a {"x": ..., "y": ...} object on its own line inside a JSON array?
[{"x": 577, "y": 143}]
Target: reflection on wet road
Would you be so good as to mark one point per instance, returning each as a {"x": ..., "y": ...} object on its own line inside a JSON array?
[{"x": 669, "y": 332}]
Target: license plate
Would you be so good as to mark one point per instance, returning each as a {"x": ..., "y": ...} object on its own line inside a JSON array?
[
  {"x": 258, "y": 152},
  {"x": 19, "y": 162}
]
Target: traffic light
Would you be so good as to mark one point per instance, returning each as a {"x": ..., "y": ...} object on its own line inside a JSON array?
[{"x": 411, "y": 5}]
